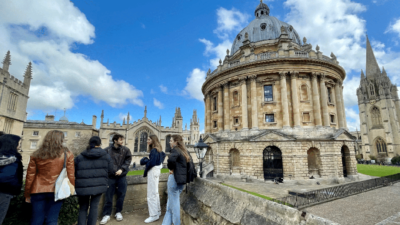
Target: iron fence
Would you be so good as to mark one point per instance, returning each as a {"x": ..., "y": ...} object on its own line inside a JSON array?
[{"x": 302, "y": 200}]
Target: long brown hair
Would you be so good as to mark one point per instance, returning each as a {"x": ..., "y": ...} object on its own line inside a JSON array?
[
  {"x": 51, "y": 146},
  {"x": 155, "y": 143},
  {"x": 181, "y": 146}
]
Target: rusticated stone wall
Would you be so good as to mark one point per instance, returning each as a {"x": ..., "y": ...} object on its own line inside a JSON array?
[{"x": 208, "y": 203}]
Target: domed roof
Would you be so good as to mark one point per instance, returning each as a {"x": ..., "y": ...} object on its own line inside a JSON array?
[{"x": 264, "y": 27}]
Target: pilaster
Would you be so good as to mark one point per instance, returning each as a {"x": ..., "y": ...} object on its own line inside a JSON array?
[
  {"x": 208, "y": 112},
  {"x": 227, "y": 109},
  {"x": 315, "y": 96},
  {"x": 339, "y": 104},
  {"x": 284, "y": 100},
  {"x": 254, "y": 113},
  {"x": 245, "y": 124},
  {"x": 324, "y": 101},
  {"x": 295, "y": 100},
  {"x": 220, "y": 109}
]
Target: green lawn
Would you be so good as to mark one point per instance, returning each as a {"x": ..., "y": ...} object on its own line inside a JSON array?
[
  {"x": 252, "y": 193},
  {"x": 377, "y": 171},
  {"x": 141, "y": 172}
]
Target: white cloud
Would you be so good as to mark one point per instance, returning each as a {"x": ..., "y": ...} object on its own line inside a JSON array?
[
  {"x": 350, "y": 91},
  {"x": 194, "y": 83},
  {"x": 45, "y": 32},
  {"x": 163, "y": 89},
  {"x": 219, "y": 51},
  {"x": 230, "y": 21},
  {"x": 394, "y": 27},
  {"x": 158, "y": 104}
]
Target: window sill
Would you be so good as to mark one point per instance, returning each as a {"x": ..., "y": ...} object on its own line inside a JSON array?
[
  {"x": 270, "y": 123},
  {"x": 330, "y": 103},
  {"x": 214, "y": 112},
  {"x": 267, "y": 103},
  {"x": 333, "y": 124},
  {"x": 305, "y": 122},
  {"x": 236, "y": 106},
  {"x": 236, "y": 125},
  {"x": 305, "y": 101}
]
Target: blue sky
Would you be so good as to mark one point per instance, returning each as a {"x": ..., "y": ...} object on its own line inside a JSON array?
[{"x": 91, "y": 55}]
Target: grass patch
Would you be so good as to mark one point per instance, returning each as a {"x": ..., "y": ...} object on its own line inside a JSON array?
[
  {"x": 377, "y": 171},
  {"x": 252, "y": 193},
  {"x": 141, "y": 172}
]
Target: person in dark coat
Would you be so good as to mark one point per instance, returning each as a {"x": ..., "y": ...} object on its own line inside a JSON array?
[
  {"x": 153, "y": 169},
  {"x": 11, "y": 171},
  {"x": 91, "y": 179},
  {"x": 177, "y": 164},
  {"x": 121, "y": 157}
]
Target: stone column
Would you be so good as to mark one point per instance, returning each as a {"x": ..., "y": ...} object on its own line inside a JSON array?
[
  {"x": 245, "y": 124},
  {"x": 343, "y": 109},
  {"x": 324, "y": 101},
  {"x": 209, "y": 102},
  {"x": 295, "y": 99},
  {"x": 227, "y": 123},
  {"x": 254, "y": 105},
  {"x": 284, "y": 100},
  {"x": 315, "y": 96},
  {"x": 220, "y": 109},
  {"x": 338, "y": 102},
  {"x": 206, "y": 113}
]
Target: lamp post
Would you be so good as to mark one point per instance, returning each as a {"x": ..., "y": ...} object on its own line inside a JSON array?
[{"x": 200, "y": 148}]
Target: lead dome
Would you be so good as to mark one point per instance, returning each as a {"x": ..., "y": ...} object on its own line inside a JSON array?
[{"x": 264, "y": 27}]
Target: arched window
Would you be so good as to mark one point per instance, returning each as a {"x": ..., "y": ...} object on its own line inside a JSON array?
[
  {"x": 304, "y": 93},
  {"x": 235, "y": 98},
  {"x": 371, "y": 89},
  {"x": 110, "y": 141},
  {"x": 376, "y": 116},
  {"x": 143, "y": 142},
  {"x": 167, "y": 146},
  {"x": 381, "y": 146}
]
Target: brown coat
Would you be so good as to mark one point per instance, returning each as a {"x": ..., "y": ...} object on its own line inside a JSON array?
[{"x": 42, "y": 174}]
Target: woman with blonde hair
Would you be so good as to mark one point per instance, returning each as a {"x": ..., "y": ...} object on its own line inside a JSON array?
[
  {"x": 153, "y": 171},
  {"x": 177, "y": 164},
  {"x": 44, "y": 167}
]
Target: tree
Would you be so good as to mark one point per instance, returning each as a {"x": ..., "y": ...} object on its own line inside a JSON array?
[{"x": 78, "y": 145}]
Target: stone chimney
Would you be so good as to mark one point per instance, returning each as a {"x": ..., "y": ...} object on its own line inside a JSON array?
[
  {"x": 49, "y": 118},
  {"x": 94, "y": 121}
]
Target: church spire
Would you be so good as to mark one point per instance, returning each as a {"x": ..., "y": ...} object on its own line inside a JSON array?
[
  {"x": 362, "y": 74},
  {"x": 372, "y": 64},
  {"x": 384, "y": 71}
]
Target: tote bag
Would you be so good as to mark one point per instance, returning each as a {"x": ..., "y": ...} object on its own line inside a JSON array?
[{"x": 64, "y": 188}]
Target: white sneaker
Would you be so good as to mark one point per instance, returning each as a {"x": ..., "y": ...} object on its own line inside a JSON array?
[
  {"x": 119, "y": 217},
  {"x": 105, "y": 220},
  {"x": 152, "y": 219}
]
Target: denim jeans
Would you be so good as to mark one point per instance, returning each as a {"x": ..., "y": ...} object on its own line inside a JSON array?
[
  {"x": 84, "y": 203},
  {"x": 118, "y": 186},
  {"x": 44, "y": 207},
  {"x": 173, "y": 214},
  {"x": 5, "y": 200}
]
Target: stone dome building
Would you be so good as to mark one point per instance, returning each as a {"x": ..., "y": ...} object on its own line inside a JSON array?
[{"x": 274, "y": 107}]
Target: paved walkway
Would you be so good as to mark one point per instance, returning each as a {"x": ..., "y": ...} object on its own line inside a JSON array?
[
  {"x": 135, "y": 218},
  {"x": 380, "y": 206}
]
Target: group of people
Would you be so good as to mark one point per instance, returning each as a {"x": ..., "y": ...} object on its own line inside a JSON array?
[{"x": 94, "y": 172}]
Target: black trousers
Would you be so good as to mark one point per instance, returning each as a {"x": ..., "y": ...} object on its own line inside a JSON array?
[
  {"x": 115, "y": 186},
  {"x": 84, "y": 203}
]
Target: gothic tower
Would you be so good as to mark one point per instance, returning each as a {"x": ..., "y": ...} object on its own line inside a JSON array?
[
  {"x": 379, "y": 107},
  {"x": 194, "y": 128}
]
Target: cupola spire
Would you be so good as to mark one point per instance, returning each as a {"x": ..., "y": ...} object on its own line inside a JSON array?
[{"x": 261, "y": 10}]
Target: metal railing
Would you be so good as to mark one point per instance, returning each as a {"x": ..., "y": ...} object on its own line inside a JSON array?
[{"x": 303, "y": 200}]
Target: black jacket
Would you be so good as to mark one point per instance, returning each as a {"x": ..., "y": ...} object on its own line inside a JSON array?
[
  {"x": 177, "y": 163},
  {"x": 91, "y": 172},
  {"x": 11, "y": 168},
  {"x": 156, "y": 158},
  {"x": 121, "y": 158}
]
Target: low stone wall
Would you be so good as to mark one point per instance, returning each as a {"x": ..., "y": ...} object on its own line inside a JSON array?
[
  {"x": 210, "y": 203},
  {"x": 136, "y": 194}
]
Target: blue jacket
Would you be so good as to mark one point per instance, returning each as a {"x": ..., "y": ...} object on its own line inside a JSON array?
[
  {"x": 11, "y": 168},
  {"x": 156, "y": 158}
]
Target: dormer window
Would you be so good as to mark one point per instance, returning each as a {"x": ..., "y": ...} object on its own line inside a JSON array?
[
  {"x": 239, "y": 37},
  {"x": 262, "y": 12}
]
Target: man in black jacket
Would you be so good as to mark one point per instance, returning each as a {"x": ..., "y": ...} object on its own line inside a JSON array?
[{"x": 121, "y": 157}]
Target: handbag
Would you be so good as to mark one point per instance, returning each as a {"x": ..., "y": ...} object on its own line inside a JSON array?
[{"x": 63, "y": 188}]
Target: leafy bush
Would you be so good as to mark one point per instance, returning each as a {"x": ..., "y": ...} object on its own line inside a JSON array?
[
  {"x": 358, "y": 157},
  {"x": 372, "y": 157},
  {"x": 396, "y": 160},
  {"x": 381, "y": 158},
  {"x": 19, "y": 212}
]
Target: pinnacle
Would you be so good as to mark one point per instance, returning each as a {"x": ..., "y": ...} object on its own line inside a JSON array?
[
  {"x": 28, "y": 71},
  {"x": 7, "y": 59},
  {"x": 362, "y": 74}
]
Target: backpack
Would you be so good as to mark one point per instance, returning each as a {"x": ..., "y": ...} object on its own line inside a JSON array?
[{"x": 191, "y": 172}]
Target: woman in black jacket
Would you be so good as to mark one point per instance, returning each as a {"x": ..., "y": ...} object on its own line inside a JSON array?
[
  {"x": 177, "y": 164},
  {"x": 153, "y": 170},
  {"x": 11, "y": 171},
  {"x": 91, "y": 179}
]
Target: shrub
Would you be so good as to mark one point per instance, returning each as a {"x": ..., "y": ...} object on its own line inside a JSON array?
[
  {"x": 381, "y": 157},
  {"x": 19, "y": 212},
  {"x": 358, "y": 157},
  {"x": 396, "y": 160},
  {"x": 372, "y": 157}
]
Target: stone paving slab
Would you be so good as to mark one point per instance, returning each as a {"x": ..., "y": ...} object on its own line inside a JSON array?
[
  {"x": 380, "y": 206},
  {"x": 135, "y": 218}
]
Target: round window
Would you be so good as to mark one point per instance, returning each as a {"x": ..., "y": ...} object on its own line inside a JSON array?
[{"x": 263, "y": 26}]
